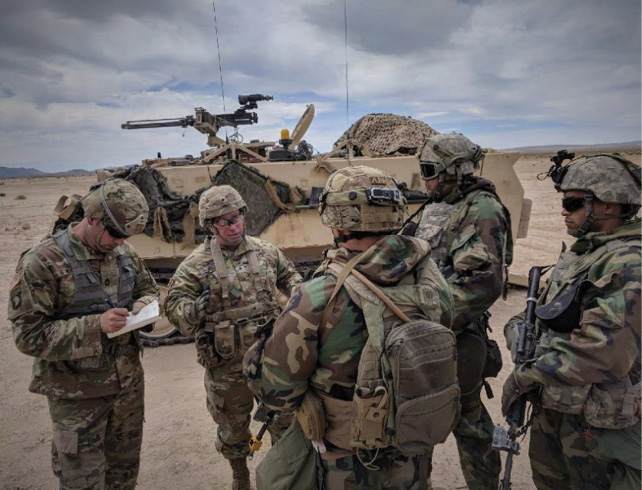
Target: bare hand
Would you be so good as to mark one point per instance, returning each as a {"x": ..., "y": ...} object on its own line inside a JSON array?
[
  {"x": 113, "y": 320},
  {"x": 137, "y": 306}
]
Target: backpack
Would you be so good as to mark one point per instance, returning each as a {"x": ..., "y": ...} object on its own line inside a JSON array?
[{"x": 406, "y": 394}]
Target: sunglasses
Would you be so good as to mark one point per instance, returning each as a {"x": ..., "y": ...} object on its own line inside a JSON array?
[
  {"x": 223, "y": 222},
  {"x": 115, "y": 233},
  {"x": 428, "y": 170},
  {"x": 571, "y": 204}
]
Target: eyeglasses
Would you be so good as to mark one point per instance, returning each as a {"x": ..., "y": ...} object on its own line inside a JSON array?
[
  {"x": 115, "y": 233},
  {"x": 571, "y": 204},
  {"x": 223, "y": 222},
  {"x": 428, "y": 170}
]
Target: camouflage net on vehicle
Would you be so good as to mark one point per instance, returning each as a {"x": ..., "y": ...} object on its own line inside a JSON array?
[
  {"x": 266, "y": 200},
  {"x": 388, "y": 134}
]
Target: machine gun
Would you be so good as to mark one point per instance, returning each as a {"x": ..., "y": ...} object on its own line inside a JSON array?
[
  {"x": 206, "y": 122},
  {"x": 506, "y": 440}
]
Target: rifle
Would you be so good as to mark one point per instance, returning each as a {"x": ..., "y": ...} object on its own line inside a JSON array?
[{"x": 506, "y": 440}]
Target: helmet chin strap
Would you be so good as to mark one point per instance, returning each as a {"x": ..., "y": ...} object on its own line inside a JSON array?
[{"x": 590, "y": 218}]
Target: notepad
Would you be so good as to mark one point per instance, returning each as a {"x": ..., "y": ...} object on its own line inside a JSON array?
[{"x": 148, "y": 314}]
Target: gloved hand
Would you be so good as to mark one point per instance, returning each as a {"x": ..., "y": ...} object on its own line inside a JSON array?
[
  {"x": 511, "y": 333},
  {"x": 199, "y": 307},
  {"x": 516, "y": 384}
]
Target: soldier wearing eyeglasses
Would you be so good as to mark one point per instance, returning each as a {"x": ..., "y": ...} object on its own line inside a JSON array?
[
  {"x": 68, "y": 293},
  {"x": 469, "y": 231},
  {"x": 222, "y": 293},
  {"x": 586, "y": 369}
]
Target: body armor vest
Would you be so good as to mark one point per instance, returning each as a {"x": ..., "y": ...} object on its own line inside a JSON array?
[
  {"x": 608, "y": 405},
  {"x": 89, "y": 296},
  {"x": 229, "y": 332}
]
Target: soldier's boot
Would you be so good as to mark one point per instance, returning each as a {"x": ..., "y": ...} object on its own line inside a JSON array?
[{"x": 240, "y": 474}]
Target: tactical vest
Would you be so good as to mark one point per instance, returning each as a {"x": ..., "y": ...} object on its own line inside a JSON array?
[
  {"x": 440, "y": 222},
  {"x": 96, "y": 376},
  {"x": 89, "y": 296},
  {"x": 610, "y": 405},
  {"x": 406, "y": 394},
  {"x": 229, "y": 332}
]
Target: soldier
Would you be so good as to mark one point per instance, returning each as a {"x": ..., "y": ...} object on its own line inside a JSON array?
[
  {"x": 221, "y": 293},
  {"x": 68, "y": 292},
  {"x": 587, "y": 364},
  {"x": 469, "y": 231},
  {"x": 309, "y": 352}
]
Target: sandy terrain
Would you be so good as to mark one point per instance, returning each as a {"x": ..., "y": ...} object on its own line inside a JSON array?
[{"x": 178, "y": 447}]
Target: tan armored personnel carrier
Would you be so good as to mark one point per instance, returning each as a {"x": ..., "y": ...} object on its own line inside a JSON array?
[{"x": 281, "y": 183}]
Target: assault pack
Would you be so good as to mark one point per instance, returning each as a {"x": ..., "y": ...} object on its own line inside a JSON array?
[{"x": 406, "y": 394}]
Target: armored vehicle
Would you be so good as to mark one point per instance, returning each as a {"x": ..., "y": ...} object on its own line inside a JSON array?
[{"x": 281, "y": 182}]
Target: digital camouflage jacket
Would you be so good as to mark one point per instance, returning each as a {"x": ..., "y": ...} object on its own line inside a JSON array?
[
  {"x": 198, "y": 270},
  {"x": 470, "y": 237},
  {"x": 597, "y": 354},
  {"x": 300, "y": 353},
  {"x": 73, "y": 358}
]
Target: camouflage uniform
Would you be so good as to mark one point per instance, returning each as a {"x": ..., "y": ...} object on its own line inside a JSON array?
[
  {"x": 469, "y": 233},
  {"x": 587, "y": 364},
  {"x": 220, "y": 344},
  {"x": 301, "y": 354},
  {"x": 94, "y": 385}
]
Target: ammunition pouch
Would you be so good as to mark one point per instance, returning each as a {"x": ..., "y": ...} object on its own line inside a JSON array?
[
  {"x": 471, "y": 359},
  {"x": 311, "y": 416},
  {"x": 613, "y": 405},
  {"x": 565, "y": 399}
]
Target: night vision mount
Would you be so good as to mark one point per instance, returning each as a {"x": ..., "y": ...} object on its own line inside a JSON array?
[{"x": 557, "y": 170}]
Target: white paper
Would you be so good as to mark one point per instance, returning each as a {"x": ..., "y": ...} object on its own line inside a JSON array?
[{"x": 148, "y": 314}]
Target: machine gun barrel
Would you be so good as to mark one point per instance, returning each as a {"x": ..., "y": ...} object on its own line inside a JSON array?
[{"x": 177, "y": 122}]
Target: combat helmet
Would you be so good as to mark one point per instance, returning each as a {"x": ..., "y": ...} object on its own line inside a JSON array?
[
  {"x": 119, "y": 205},
  {"x": 217, "y": 201},
  {"x": 449, "y": 154},
  {"x": 363, "y": 199},
  {"x": 609, "y": 178}
]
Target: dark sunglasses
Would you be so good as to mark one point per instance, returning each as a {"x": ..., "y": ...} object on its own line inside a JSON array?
[
  {"x": 222, "y": 222},
  {"x": 428, "y": 170},
  {"x": 115, "y": 233},
  {"x": 571, "y": 204}
]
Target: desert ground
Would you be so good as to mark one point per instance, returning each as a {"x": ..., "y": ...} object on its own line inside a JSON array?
[{"x": 178, "y": 446}]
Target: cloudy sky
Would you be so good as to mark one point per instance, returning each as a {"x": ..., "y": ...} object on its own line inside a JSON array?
[{"x": 506, "y": 73}]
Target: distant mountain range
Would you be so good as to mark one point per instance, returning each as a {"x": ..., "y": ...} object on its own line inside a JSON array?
[
  {"x": 606, "y": 147},
  {"x": 13, "y": 173}
]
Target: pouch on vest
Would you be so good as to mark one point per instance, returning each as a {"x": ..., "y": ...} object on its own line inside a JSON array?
[
  {"x": 290, "y": 464},
  {"x": 563, "y": 313},
  {"x": 613, "y": 405},
  {"x": 225, "y": 340},
  {"x": 205, "y": 352}
]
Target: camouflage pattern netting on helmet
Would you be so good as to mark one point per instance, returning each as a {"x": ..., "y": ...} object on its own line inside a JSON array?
[
  {"x": 118, "y": 204},
  {"x": 217, "y": 201},
  {"x": 610, "y": 178},
  {"x": 387, "y": 134},
  {"x": 452, "y": 151},
  {"x": 345, "y": 205}
]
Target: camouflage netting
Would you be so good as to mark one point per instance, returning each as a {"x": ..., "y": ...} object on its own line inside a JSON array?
[
  {"x": 263, "y": 199},
  {"x": 388, "y": 134}
]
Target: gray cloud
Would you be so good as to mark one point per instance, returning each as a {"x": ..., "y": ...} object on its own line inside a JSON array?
[{"x": 506, "y": 71}]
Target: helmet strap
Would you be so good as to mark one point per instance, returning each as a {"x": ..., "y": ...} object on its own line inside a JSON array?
[{"x": 589, "y": 217}]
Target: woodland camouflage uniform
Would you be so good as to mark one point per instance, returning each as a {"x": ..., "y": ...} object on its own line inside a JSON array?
[
  {"x": 586, "y": 435},
  {"x": 301, "y": 354},
  {"x": 469, "y": 232},
  {"x": 221, "y": 343},
  {"x": 94, "y": 385}
]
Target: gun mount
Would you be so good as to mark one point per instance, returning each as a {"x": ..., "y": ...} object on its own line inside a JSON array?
[{"x": 207, "y": 123}]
